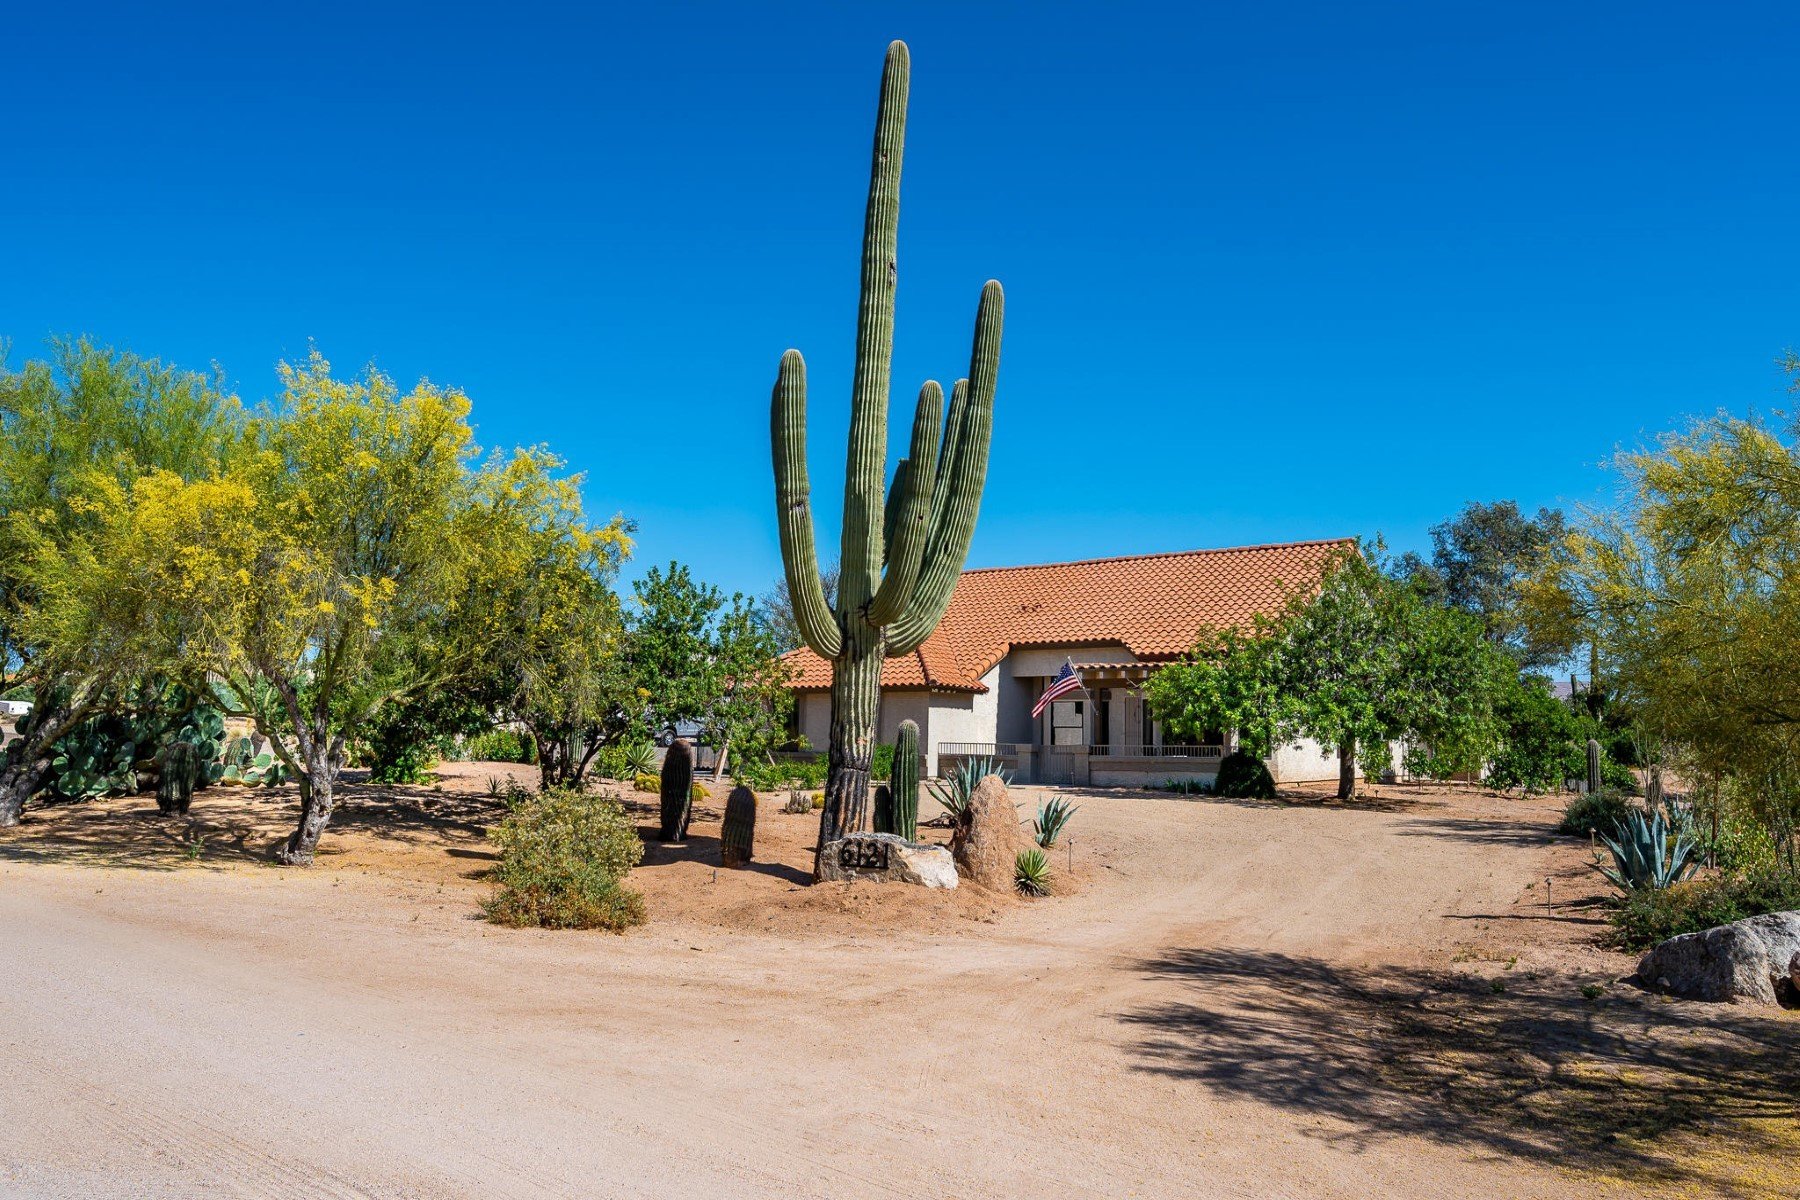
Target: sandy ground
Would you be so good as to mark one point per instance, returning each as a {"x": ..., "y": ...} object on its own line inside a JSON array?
[{"x": 1225, "y": 999}]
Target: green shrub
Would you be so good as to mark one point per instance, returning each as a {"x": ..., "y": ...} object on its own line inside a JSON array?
[
  {"x": 1031, "y": 872},
  {"x": 502, "y": 745},
  {"x": 609, "y": 763},
  {"x": 766, "y": 776},
  {"x": 1618, "y": 776},
  {"x": 1594, "y": 812},
  {"x": 563, "y": 855},
  {"x": 1651, "y": 915},
  {"x": 881, "y": 763},
  {"x": 408, "y": 765},
  {"x": 1244, "y": 777}
]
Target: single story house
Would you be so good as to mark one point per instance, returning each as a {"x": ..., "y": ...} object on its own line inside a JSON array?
[{"x": 1009, "y": 631}]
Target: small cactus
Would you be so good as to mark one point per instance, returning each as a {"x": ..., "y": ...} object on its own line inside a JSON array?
[
  {"x": 175, "y": 783},
  {"x": 738, "y": 838},
  {"x": 1593, "y": 766},
  {"x": 905, "y": 814},
  {"x": 884, "y": 809},
  {"x": 677, "y": 791}
]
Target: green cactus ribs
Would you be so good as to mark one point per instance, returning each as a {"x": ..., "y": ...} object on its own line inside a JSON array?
[
  {"x": 902, "y": 548},
  {"x": 906, "y": 782},
  {"x": 737, "y": 839},
  {"x": 677, "y": 792}
]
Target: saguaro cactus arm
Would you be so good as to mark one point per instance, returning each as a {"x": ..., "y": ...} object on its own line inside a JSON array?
[
  {"x": 865, "y": 468},
  {"x": 793, "y": 506},
  {"x": 909, "y": 525},
  {"x": 962, "y": 475}
]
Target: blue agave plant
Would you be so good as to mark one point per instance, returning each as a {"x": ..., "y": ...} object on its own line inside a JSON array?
[{"x": 1647, "y": 853}]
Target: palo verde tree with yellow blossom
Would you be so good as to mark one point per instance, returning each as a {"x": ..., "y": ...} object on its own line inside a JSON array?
[
  {"x": 107, "y": 462},
  {"x": 350, "y": 558},
  {"x": 539, "y": 621}
]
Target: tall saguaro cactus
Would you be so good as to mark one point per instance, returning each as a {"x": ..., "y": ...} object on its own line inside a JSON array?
[{"x": 901, "y": 556}]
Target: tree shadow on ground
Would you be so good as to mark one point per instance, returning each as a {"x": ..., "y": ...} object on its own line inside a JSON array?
[
  {"x": 1479, "y": 831},
  {"x": 1626, "y": 1084}
]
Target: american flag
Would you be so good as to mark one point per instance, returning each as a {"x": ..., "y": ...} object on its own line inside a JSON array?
[{"x": 1068, "y": 681}]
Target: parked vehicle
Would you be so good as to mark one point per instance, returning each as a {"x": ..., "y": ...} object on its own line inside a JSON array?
[{"x": 690, "y": 730}]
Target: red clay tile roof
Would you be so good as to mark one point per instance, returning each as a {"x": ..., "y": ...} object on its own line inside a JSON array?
[{"x": 1155, "y": 605}]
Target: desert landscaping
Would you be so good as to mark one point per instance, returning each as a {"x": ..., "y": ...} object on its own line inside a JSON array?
[
  {"x": 1316, "y": 717},
  {"x": 1223, "y": 998}
]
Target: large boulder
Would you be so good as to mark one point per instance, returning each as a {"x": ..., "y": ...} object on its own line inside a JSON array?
[
  {"x": 1747, "y": 962},
  {"x": 988, "y": 842},
  {"x": 886, "y": 858}
]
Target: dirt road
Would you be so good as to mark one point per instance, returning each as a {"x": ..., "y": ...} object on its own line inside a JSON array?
[{"x": 1242, "y": 1000}]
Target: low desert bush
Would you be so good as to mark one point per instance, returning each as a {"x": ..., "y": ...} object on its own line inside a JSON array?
[
  {"x": 502, "y": 745},
  {"x": 1650, "y": 915},
  {"x": 563, "y": 857},
  {"x": 765, "y": 776},
  {"x": 1244, "y": 777},
  {"x": 1595, "y": 812}
]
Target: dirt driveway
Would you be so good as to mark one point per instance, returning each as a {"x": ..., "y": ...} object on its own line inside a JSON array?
[{"x": 1229, "y": 999}]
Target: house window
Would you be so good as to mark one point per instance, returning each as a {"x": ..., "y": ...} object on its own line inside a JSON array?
[{"x": 1068, "y": 722}]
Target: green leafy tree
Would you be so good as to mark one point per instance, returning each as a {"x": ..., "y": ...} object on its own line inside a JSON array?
[
  {"x": 96, "y": 446},
  {"x": 1361, "y": 662},
  {"x": 1479, "y": 561},
  {"x": 705, "y": 657}
]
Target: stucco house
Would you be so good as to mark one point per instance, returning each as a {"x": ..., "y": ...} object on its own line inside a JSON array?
[{"x": 1009, "y": 630}]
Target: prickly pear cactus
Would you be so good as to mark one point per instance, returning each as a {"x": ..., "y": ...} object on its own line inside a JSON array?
[
  {"x": 906, "y": 782},
  {"x": 1593, "y": 766},
  {"x": 738, "y": 838},
  {"x": 677, "y": 791},
  {"x": 175, "y": 782}
]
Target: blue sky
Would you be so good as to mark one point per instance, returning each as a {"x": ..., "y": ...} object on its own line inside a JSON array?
[{"x": 1273, "y": 272}]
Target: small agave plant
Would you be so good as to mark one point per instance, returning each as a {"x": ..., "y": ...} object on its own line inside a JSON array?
[
  {"x": 1052, "y": 815},
  {"x": 1031, "y": 873},
  {"x": 1646, "y": 853}
]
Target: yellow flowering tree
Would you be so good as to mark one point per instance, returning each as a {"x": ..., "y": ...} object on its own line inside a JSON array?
[
  {"x": 541, "y": 621},
  {"x": 108, "y": 462},
  {"x": 340, "y": 583}
]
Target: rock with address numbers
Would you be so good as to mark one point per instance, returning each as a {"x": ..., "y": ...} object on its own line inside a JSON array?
[{"x": 887, "y": 858}]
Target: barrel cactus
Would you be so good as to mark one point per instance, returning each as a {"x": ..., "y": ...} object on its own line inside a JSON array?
[
  {"x": 906, "y": 782},
  {"x": 677, "y": 791},
  {"x": 175, "y": 781},
  {"x": 900, "y": 555},
  {"x": 1593, "y": 766},
  {"x": 737, "y": 839}
]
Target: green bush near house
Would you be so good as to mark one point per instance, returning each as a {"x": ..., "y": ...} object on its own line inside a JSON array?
[
  {"x": 502, "y": 745},
  {"x": 1650, "y": 915},
  {"x": 1244, "y": 777},
  {"x": 563, "y": 857},
  {"x": 1595, "y": 812}
]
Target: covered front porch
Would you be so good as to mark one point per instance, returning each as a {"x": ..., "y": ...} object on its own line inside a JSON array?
[{"x": 1101, "y": 735}]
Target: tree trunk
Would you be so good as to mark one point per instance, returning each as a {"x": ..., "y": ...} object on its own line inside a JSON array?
[
  {"x": 22, "y": 771},
  {"x": 17, "y": 783},
  {"x": 719, "y": 763},
  {"x": 316, "y": 784},
  {"x": 1346, "y": 770},
  {"x": 855, "y": 705}
]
